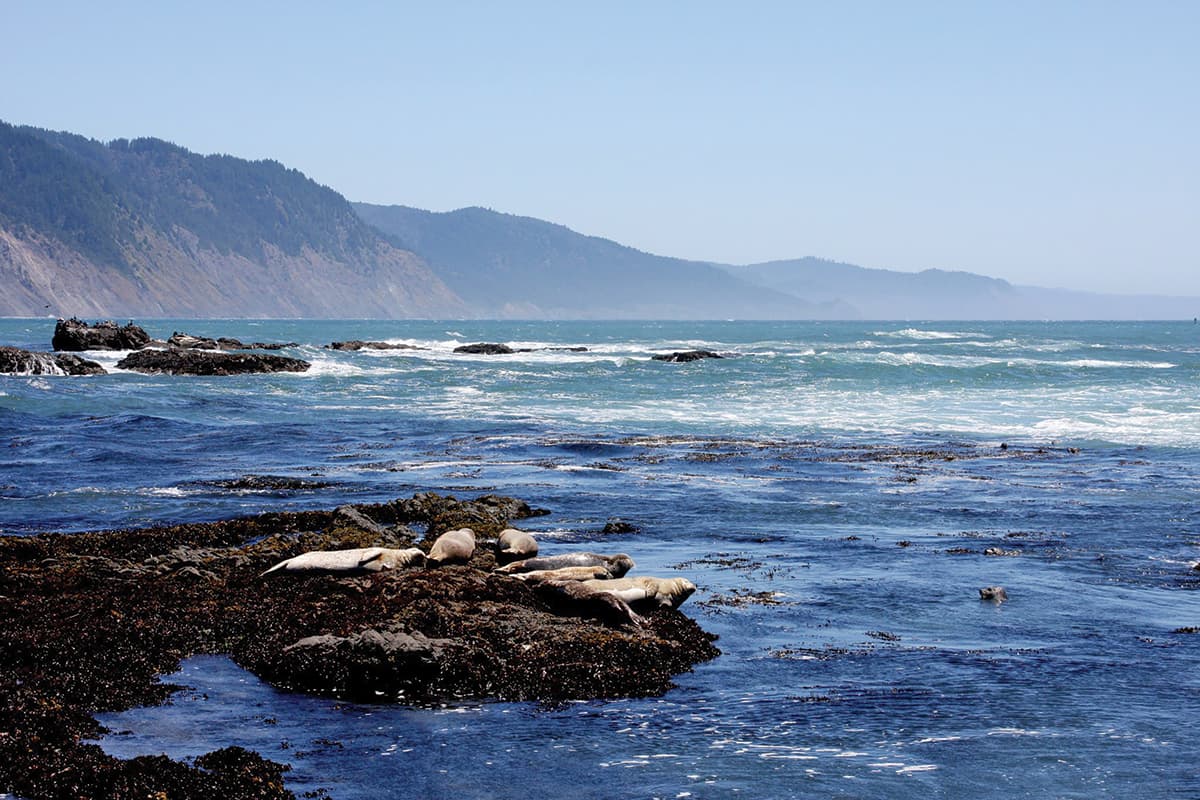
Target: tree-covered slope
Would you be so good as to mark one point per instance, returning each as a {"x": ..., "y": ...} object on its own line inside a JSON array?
[{"x": 147, "y": 227}]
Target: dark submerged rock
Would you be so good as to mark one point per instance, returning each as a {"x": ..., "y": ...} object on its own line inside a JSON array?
[
  {"x": 686, "y": 355},
  {"x": 358, "y": 344},
  {"x": 15, "y": 361},
  {"x": 88, "y": 621},
  {"x": 270, "y": 483},
  {"x": 75, "y": 335},
  {"x": 177, "y": 361}
]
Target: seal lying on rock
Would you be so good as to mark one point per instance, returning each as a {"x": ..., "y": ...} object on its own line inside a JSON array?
[
  {"x": 597, "y": 573},
  {"x": 453, "y": 547},
  {"x": 579, "y": 599},
  {"x": 617, "y": 564},
  {"x": 514, "y": 545},
  {"x": 357, "y": 561},
  {"x": 670, "y": 592}
]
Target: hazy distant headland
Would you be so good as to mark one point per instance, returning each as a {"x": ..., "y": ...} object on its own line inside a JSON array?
[{"x": 146, "y": 228}]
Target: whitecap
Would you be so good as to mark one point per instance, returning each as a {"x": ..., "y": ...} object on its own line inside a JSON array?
[{"x": 917, "y": 333}]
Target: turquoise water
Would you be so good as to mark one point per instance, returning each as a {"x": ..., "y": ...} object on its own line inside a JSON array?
[{"x": 852, "y": 470}]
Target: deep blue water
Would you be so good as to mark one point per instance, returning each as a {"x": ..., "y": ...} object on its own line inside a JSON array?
[{"x": 793, "y": 467}]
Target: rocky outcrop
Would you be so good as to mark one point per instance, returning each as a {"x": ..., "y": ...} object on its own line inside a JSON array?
[
  {"x": 358, "y": 344},
  {"x": 485, "y": 349},
  {"x": 686, "y": 355},
  {"x": 188, "y": 341},
  {"x": 176, "y": 361},
  {"x": 488, "y": 515},
  {"x": 89, "y": 621},
  {"x": 14, "y": 361},
  {"x": 76, "y": 335}
]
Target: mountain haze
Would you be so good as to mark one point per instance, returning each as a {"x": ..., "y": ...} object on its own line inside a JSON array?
[
  {"x": 935, "y": 294},
  {"x": 506, "y": 266},
  {"x": 144, "y": 227}
]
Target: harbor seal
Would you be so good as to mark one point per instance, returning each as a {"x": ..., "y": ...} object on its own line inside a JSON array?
[
  {"x": 565, "y": 574},
  {"x": 453, "y": 547},
  {"x": 995, "y": 594},
  {"x": 617, "y": 564},
  {"x": 514, "y": 545},
  {"x": 578, "y": 599},
  {"x": 667, "y": 592},
  {"x": 357, "y": 561}
]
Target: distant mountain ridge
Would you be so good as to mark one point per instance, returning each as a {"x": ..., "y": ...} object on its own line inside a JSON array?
[
  {"x": 935, "y": 294},
  {"x": 506, "y": 265},
  {"x": 146, "y": 228}
]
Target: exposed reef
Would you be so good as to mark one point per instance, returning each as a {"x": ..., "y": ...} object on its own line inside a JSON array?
[
  {"x": 358, "y": 344},
  {"x": 89, "y": 620},
  {"x": 177, "y": 361},
  {"x": 686, "y": 355},
  {"x": 14, "y": 361},
  {"x": 179, "y": 339}
]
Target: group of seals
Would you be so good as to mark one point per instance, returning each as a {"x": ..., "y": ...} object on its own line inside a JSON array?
[
  {"x": 588, "y": 583},
  {"x": 595, "y": 585}
]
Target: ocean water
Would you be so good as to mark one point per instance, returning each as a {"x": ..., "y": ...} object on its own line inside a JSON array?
[{"x": 832, "y": 488}]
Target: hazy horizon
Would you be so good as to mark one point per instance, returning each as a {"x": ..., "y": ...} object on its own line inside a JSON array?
[{"x": 1045, "y": 144}]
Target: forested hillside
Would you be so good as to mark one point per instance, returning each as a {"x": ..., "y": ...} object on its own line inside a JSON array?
[{"x": 146, "y": 227}]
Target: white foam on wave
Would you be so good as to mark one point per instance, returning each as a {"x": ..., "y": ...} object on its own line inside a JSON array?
[
  {"x": 918, "y": 333},
  {"x": 1096, "y": 363}
]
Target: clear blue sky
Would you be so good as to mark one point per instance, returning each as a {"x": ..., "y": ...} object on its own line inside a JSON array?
[{"x": 1051, "y": 143}]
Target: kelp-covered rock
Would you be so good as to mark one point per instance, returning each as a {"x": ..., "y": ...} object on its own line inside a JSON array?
[
  {"x": 176, "y": 361},
  {"x": 88, "y": 621},
  {"x": 76, "y": 335}
]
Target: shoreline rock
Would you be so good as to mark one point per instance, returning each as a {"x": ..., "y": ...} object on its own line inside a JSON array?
[
  {"x": 176, "y": 361},
  {"x": 88, "y": 622},
  {"x": 75, "y": 335}
]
